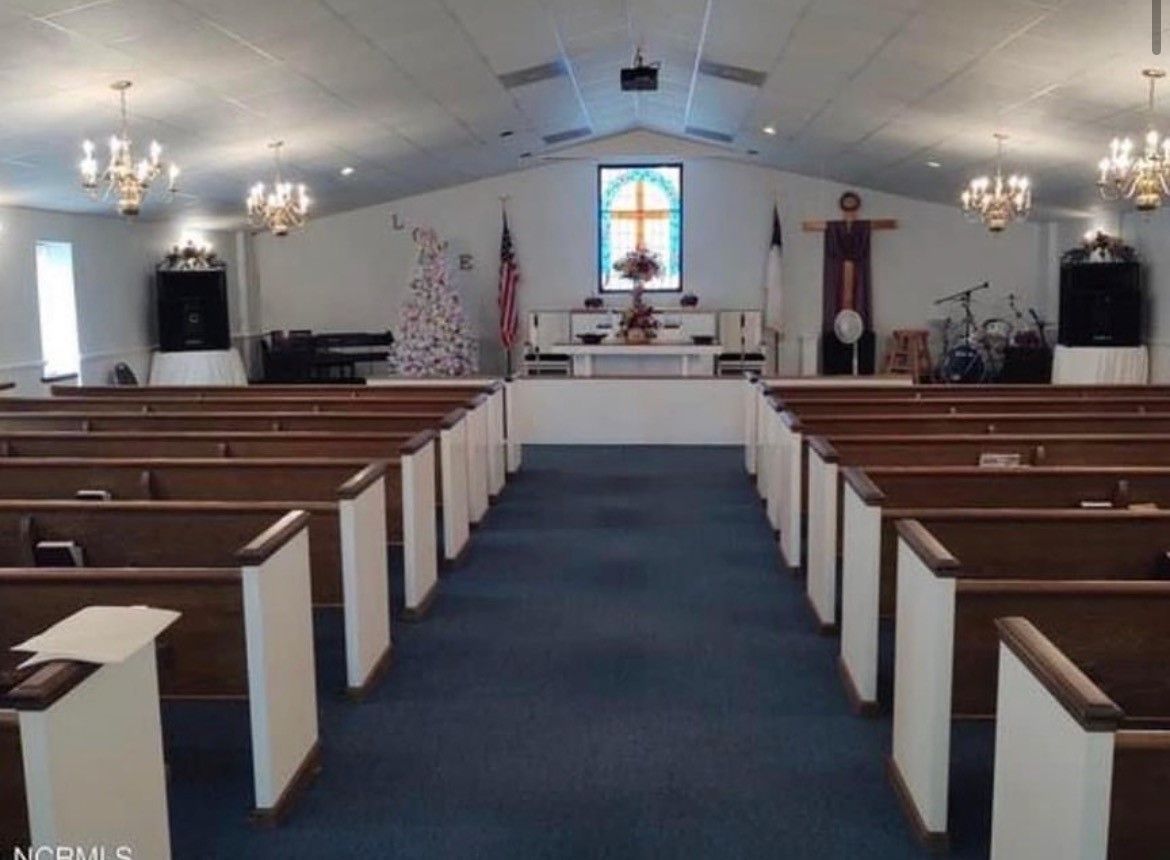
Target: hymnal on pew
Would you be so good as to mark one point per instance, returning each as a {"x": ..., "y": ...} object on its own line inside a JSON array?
[{"x": 58, "y": 553}]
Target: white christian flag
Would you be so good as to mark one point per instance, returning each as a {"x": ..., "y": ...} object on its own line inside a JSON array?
[{"x": 773, "y": 292}]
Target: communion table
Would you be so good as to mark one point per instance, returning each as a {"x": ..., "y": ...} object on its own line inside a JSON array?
[{"x": 660, "y": 358}]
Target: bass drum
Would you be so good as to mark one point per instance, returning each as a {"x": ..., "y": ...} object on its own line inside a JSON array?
[{"x": 963, "y": 365}]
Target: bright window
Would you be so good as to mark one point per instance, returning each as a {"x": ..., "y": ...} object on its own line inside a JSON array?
[
  {"x": 57, "y": 310},
  {"x": 640, "y": 205}
]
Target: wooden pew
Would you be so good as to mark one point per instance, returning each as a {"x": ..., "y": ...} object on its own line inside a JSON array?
[
  {"x": 756, "y": 412},
  {"x": 759, "y": 392},
  {"x": 923, "y": 392},
  {"x": 287, "y": 445},
  {"x": 348, "y": 538},
  {"x": 958, "y": 571},
  {"x": 898, "y": 388},
  {"x": 484, "y": 474},
  {"x": 413, "y": 387},
  {"x": 501, "y": 442},
  {"x": 788, "y": 477},
  {"x": 875, "y": 499},
  {"x": 404, "y": 499},
  {"x": 826, "y": 456},
  {"x": 91, "y": 738},
  {"x": 171, "y": 404},
  {"x": 273, "y": 422},
  {"x": 245, "y": 630},
  {"x": 347, "y": 551},
  {"x": 1082, "y": 752},
  {"x": 818, "y": 407}
]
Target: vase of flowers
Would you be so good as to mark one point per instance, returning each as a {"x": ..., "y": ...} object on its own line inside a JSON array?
[
  {"x": 640, "y": 266},
  {"x": 638, "y": 323}
]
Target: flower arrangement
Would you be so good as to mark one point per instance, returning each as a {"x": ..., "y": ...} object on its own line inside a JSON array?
[
  {"x": 1100, "y": 247},
  {"x": 638, "y": 321},
  {"x": 639, "y": 265},
  {"x": 192, "y": 256}
]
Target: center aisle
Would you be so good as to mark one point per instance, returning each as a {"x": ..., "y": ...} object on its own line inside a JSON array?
[{"x": 619, "y": 669}]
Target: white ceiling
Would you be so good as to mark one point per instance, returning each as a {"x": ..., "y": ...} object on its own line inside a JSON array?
[{"x": 408, "y": 91}]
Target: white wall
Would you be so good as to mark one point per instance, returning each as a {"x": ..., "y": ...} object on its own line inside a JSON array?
[
  {"x": 114, "y": 264},
  {"x": 1150, "y": 235},
  {"x": 350, "y": 271}
]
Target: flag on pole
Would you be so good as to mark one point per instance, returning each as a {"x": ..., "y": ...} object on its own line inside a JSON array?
[
  {"x": 773, "y": 293},
  {"x": 509, "y": 282}
]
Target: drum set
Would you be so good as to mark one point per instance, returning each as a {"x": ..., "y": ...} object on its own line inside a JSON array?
[{"x": 974, "y": 352}]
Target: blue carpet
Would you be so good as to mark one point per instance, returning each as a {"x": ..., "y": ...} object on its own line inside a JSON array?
[{"x": 619, "y": 670}]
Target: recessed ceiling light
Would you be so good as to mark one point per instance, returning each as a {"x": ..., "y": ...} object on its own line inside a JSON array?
[
  {"x": 348, "y": 171},
  {"x": 769, "y": 129},
  {"x": 933, "y": 164},
  {"x": 753, "y": 152},
  {"x": 507, "y": 133},
  {"x": 526, "y": 155}
]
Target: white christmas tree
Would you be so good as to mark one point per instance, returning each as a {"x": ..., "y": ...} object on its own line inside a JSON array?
[{"x": 434, "y": 338}]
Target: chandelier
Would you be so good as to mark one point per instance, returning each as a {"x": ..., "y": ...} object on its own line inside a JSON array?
[
  {"x": 283, "y": 208},
  {"x": 128, "y": 183},
  {"x": 1142, "y": 178},
  {"x": 997, "y": 201}
]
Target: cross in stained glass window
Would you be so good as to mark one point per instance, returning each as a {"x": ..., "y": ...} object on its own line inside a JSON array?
[{"x": 640, "y": 206}]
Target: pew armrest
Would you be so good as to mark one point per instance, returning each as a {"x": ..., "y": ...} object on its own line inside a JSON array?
[
  {"x": 280, "y": 533},
  {"x": 789, "y": 419},
  {"x": 824, "y": 449},
  {"x": 417, "y": 442},
  {"x": 452, "y": 418},
  {"x": 1084, "y": 701},
  {"x": 863, "y": 485},
  {"x": 46, "y": 685},
  {"x": 353, "y": 488},
  {"x": 927, "y": 547}
]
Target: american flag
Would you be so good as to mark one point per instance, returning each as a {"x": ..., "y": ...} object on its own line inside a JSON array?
[{"x": 509, "y": 282}]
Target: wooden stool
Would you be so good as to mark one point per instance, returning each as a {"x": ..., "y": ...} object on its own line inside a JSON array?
[{"x": 909, "y": 353}]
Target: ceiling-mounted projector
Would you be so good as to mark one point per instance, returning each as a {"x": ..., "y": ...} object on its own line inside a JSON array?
[{"x": 641, "y": 77}]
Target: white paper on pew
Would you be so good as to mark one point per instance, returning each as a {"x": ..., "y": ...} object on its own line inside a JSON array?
[{"x": 98, "y": 634}]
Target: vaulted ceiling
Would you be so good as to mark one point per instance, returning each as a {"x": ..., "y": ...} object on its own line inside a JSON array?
[{"x": 419, "y": 94}]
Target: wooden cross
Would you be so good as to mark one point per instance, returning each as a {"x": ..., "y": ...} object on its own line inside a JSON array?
[
  {"x": 640, "y": 214},
  {"x": 850, "y": 205}
]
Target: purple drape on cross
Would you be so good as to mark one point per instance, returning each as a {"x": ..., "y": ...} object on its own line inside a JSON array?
[{"x": 847, "y": 241}]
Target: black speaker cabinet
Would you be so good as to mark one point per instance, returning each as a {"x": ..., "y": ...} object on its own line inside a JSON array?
[
  {"x": 1101, "y": 304},
  {"x": 192, "y": 310}
]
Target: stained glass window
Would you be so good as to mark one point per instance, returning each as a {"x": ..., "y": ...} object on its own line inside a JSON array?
[{"x": 640, "y": 205}]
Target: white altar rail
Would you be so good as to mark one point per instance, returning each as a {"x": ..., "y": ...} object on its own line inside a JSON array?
[{"x": 628, "y": 411}]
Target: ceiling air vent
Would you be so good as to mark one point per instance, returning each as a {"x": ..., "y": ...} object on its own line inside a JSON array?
[
  {"x": 565, "y": 136},
  {"x": 532, "y": 75},
  {"x": 738, "y": 74},
  {"x": 709, "y": 134}
]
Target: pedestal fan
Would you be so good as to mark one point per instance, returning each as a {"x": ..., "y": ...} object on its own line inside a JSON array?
[{"x": 848, "y": 326}]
